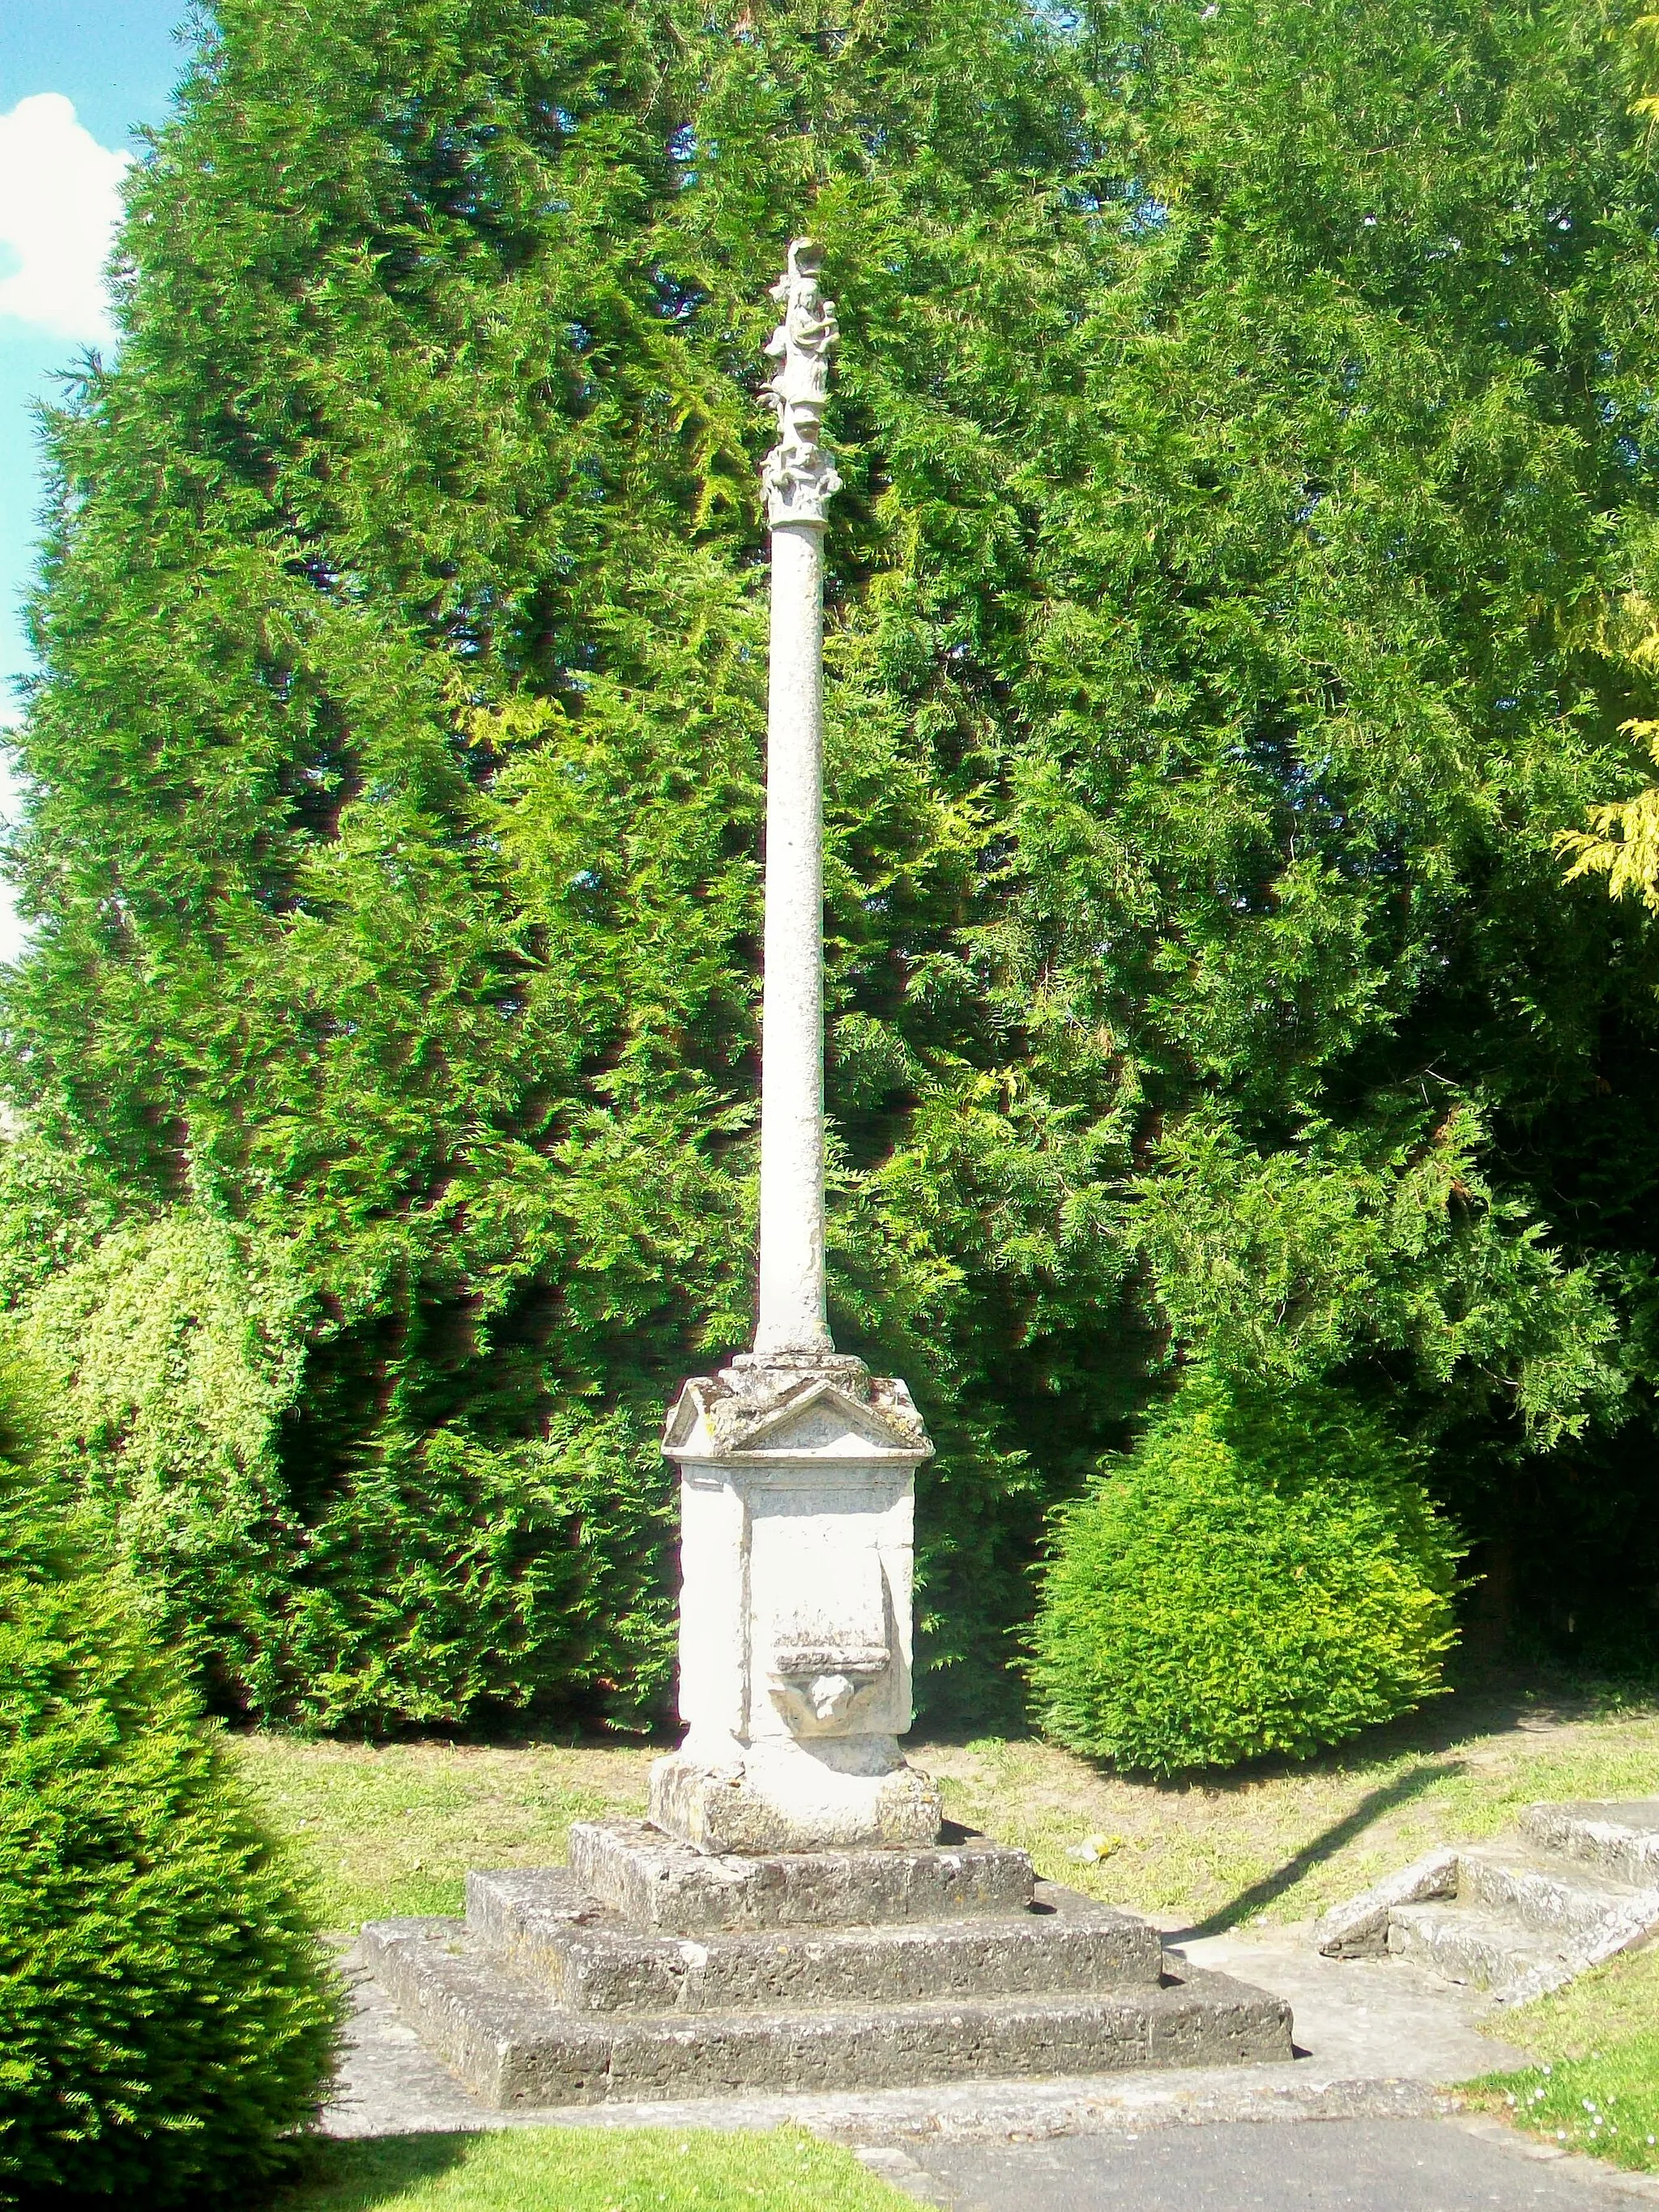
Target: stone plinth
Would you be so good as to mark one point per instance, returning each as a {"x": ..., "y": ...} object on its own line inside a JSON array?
[
  {"x": 653, "y": 1881},
  {"x": 797, "y": 1507},
  {"x": 651, "y": 1970}
]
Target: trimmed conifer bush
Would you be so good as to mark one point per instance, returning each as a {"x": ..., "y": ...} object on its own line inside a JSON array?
[
  {"x": 168, "y": 2019},
  {"x": 1263, "y": 1573}
]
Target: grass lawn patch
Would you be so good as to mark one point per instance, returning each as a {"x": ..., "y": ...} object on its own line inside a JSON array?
[
  {"x": 1279, "y": 1841},
  {"x": 589, "y": 2169},
  {"x": 1596, "y": 2088},
  {"x": 393, "y": 1829}
]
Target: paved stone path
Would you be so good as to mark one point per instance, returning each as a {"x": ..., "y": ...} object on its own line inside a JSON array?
[
  {"x": 1378, "y": 2036},
  {"x": 1341, "y": 2166}
]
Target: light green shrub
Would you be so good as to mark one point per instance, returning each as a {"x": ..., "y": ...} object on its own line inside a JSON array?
[
  {"x": 1263, "y": 1573},
  {"x": 438, "y": 1577},
  {"x": 178, "y": 1343},
  {"x": 167, "y": 2018}
]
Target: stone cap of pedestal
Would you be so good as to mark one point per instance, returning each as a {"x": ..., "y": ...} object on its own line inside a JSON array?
[{"x": 796, "y": 1407}]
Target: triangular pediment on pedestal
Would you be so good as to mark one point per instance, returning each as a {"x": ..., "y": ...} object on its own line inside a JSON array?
[{"x": 806, "y": 1415}]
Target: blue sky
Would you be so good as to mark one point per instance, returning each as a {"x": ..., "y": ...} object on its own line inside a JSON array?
[{"x": 114, "y": 64}]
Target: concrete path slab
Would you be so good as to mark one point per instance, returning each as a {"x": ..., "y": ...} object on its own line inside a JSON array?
[
  {"x": 1346, "y": 2165},
  {"x": 1210, "y": 2140},
  {"x": 1363, "y": 2016}
]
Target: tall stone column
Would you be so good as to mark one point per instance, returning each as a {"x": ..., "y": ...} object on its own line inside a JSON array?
[
  {"x": 792, "y": 1305},
  {"x": 797, "y": 1465}
]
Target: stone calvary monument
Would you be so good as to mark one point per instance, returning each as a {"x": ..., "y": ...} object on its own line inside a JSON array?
[
  {"x": 795, "y": 1914},
  {"x": 796, "y": 1465}
]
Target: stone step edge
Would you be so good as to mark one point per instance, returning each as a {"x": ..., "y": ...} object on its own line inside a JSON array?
[
  {"x": 1432, "y": 1934},
  {"x": 654, "y": 1881},
  {"x": 1582, "y": 1877},
  {"x": 1572, "y": 1899},
  {"x": 1588, "y": 1832},
  {"x": 1359, "y": 1927},
  {"x": 514, "y": 2049},
  {"x": 541, "y": 1923}
]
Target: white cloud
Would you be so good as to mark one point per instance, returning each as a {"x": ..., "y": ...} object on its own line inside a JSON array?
[{"x": 59, "y": 202}]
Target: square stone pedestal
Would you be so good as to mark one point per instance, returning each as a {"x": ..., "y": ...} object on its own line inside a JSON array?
[
  {"x": 797, "y": 1512},
  {"x": 647, "y": 1969}
]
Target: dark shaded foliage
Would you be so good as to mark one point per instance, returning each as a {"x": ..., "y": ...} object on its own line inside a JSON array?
[{"x": 1246, "y": 420}]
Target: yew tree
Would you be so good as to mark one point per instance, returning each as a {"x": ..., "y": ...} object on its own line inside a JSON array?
[{"x": 1245, "y": 418}]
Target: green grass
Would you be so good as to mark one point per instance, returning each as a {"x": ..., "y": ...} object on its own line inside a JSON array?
[
  {"x": 588, "y": 2170},
  {"x": 1281, "y": 1842},
  {"x": 393, "y": 1830},
  {"x": 1597, "y": 2087}
]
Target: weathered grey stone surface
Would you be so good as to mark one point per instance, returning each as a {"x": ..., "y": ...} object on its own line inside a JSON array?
[
  {"x": 498, "y": 2031},
  {"x": 1571, "y": 1899},
  {"x": 540, "y": 1921},
  {"x": 656, "y": 1883},
  {"x": 721, "y": 1811},
  {"x": 1622, "y": 1837},
  {"x": 1359, "y": 1928},
  {"x": 1485, "y": 1951},
  {"x": 1515, "y": 1919},
  {"x": 1374, "y": 2036}
]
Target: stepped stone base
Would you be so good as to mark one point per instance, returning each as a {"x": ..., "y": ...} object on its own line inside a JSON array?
[
  {"x": 1517, "y": 1918},
  {"x": 649, "y": 1971},
  {"x": 540, "y": 1925},
  {"x": 505, "y": 2040}
]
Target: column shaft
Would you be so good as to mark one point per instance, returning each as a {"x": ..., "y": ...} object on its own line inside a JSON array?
[{"x": 792, "y": 1299}]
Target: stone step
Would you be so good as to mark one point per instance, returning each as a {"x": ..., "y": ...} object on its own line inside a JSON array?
[
  {"x": 1555, "y": 1896},
  {"x": 654, "y": 1883},
  {"x": 1620, "y": 1836},
  {"x": 1486, "y": 1950},
  {"x": 546, "y": 1928},
  {"x": 514, "y": 2048}
]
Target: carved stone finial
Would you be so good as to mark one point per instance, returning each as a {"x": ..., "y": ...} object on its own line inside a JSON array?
[{"x": 798, "y": 473}]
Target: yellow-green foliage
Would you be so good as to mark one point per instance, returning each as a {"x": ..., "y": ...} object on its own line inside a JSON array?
[
  {"x": 1263, "y": 1574},
  {"x": 177, "y": 1344},
  {"x": 1622, "y": 842}
]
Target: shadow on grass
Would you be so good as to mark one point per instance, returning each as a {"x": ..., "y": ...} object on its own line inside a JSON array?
[
  {"x": 1271, "y": 1886},
  {"x": 352, "y": 2177}
]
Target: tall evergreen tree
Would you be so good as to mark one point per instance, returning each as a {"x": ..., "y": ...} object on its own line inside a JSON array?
[{"x": 1244, "y": 419}]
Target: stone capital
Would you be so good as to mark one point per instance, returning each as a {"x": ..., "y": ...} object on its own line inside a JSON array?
[{"x": 798, "y": 474}]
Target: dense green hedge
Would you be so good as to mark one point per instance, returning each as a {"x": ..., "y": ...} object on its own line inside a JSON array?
[
  {"x": 167, "y": 2015},
  {"x": 443, "y": 1576},
  {"x": 1251, "y": 492},
  {"x": 1263, "y": 1573}
]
